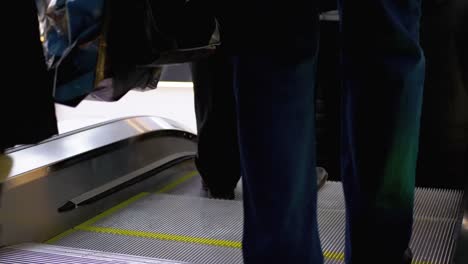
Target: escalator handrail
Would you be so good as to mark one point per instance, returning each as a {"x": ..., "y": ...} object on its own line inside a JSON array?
[
  {"x": 100, "y": 124},
  {"x": 77, "y": 144}
]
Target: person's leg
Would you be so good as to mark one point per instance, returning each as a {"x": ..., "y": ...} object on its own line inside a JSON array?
[
  {"x": 383, "y": 75},
  {"x": 275, "y": 104},
  {"x": 218, "y": 152}
]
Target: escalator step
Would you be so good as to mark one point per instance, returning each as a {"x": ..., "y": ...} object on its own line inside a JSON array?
[
  {"x": 40, "y": 254},
  {"x": 200, "y": 230}
]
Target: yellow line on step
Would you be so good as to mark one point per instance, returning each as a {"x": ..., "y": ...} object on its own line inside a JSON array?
[
  {"x": 87, "y": 226},
  {"x": 171, "y": 186},
  {"x": 331, "y": 255},
  {"x": 114, "y": 209},
  {"x": 161, "y": 236},
  {"x": 336, "y": 256},
  {"x": 339, "y": 256}
]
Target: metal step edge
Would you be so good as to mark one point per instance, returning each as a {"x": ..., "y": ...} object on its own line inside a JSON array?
[{"x": 41, "y": 253}]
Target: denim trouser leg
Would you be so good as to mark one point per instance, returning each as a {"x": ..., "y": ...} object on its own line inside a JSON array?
[
  {"x": 383, "y": 75},
  {"x": 275, "y": 102}
]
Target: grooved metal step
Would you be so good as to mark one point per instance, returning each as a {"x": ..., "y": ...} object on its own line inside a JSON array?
[
  {"x": 46, "y": 254},
  {"x": 207, "y": 231}
]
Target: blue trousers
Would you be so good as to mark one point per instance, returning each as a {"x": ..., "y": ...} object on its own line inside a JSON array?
[{"x": 383, "y": 75}]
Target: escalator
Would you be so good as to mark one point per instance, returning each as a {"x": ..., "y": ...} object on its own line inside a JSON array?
[{"x": 127, "y": 191}]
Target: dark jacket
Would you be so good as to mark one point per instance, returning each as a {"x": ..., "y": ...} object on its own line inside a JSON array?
[
  {"x": 275, "y": 27},
  {"x": 27, "y": 105}
]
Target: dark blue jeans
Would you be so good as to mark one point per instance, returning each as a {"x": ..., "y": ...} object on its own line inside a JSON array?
[{"x": 383, "y": 75}]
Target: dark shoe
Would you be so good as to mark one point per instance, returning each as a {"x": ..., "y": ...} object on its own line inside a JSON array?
[
  {"x": 223, "y": 195},
  {"x": 408, "y": 256}
]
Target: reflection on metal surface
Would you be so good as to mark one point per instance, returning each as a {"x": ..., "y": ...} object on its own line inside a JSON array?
[
  {"x": 330, "y": 16},
  {"x": 461, "y": 255},
  {"x": 69, "y": 145},
  {"x": 140, "y": 127},
  {"x": 32, "y": 176},
  {"x": 163, "y": 124},
  {"x": 46, "y": 175}
]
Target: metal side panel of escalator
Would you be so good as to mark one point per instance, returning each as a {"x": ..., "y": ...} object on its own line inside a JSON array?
[{"x": 99, "y": 166}]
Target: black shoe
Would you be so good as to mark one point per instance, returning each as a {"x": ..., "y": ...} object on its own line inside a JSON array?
[
  {"x": 408, "y": 256},
  {"x": 222, "y": 195}
]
